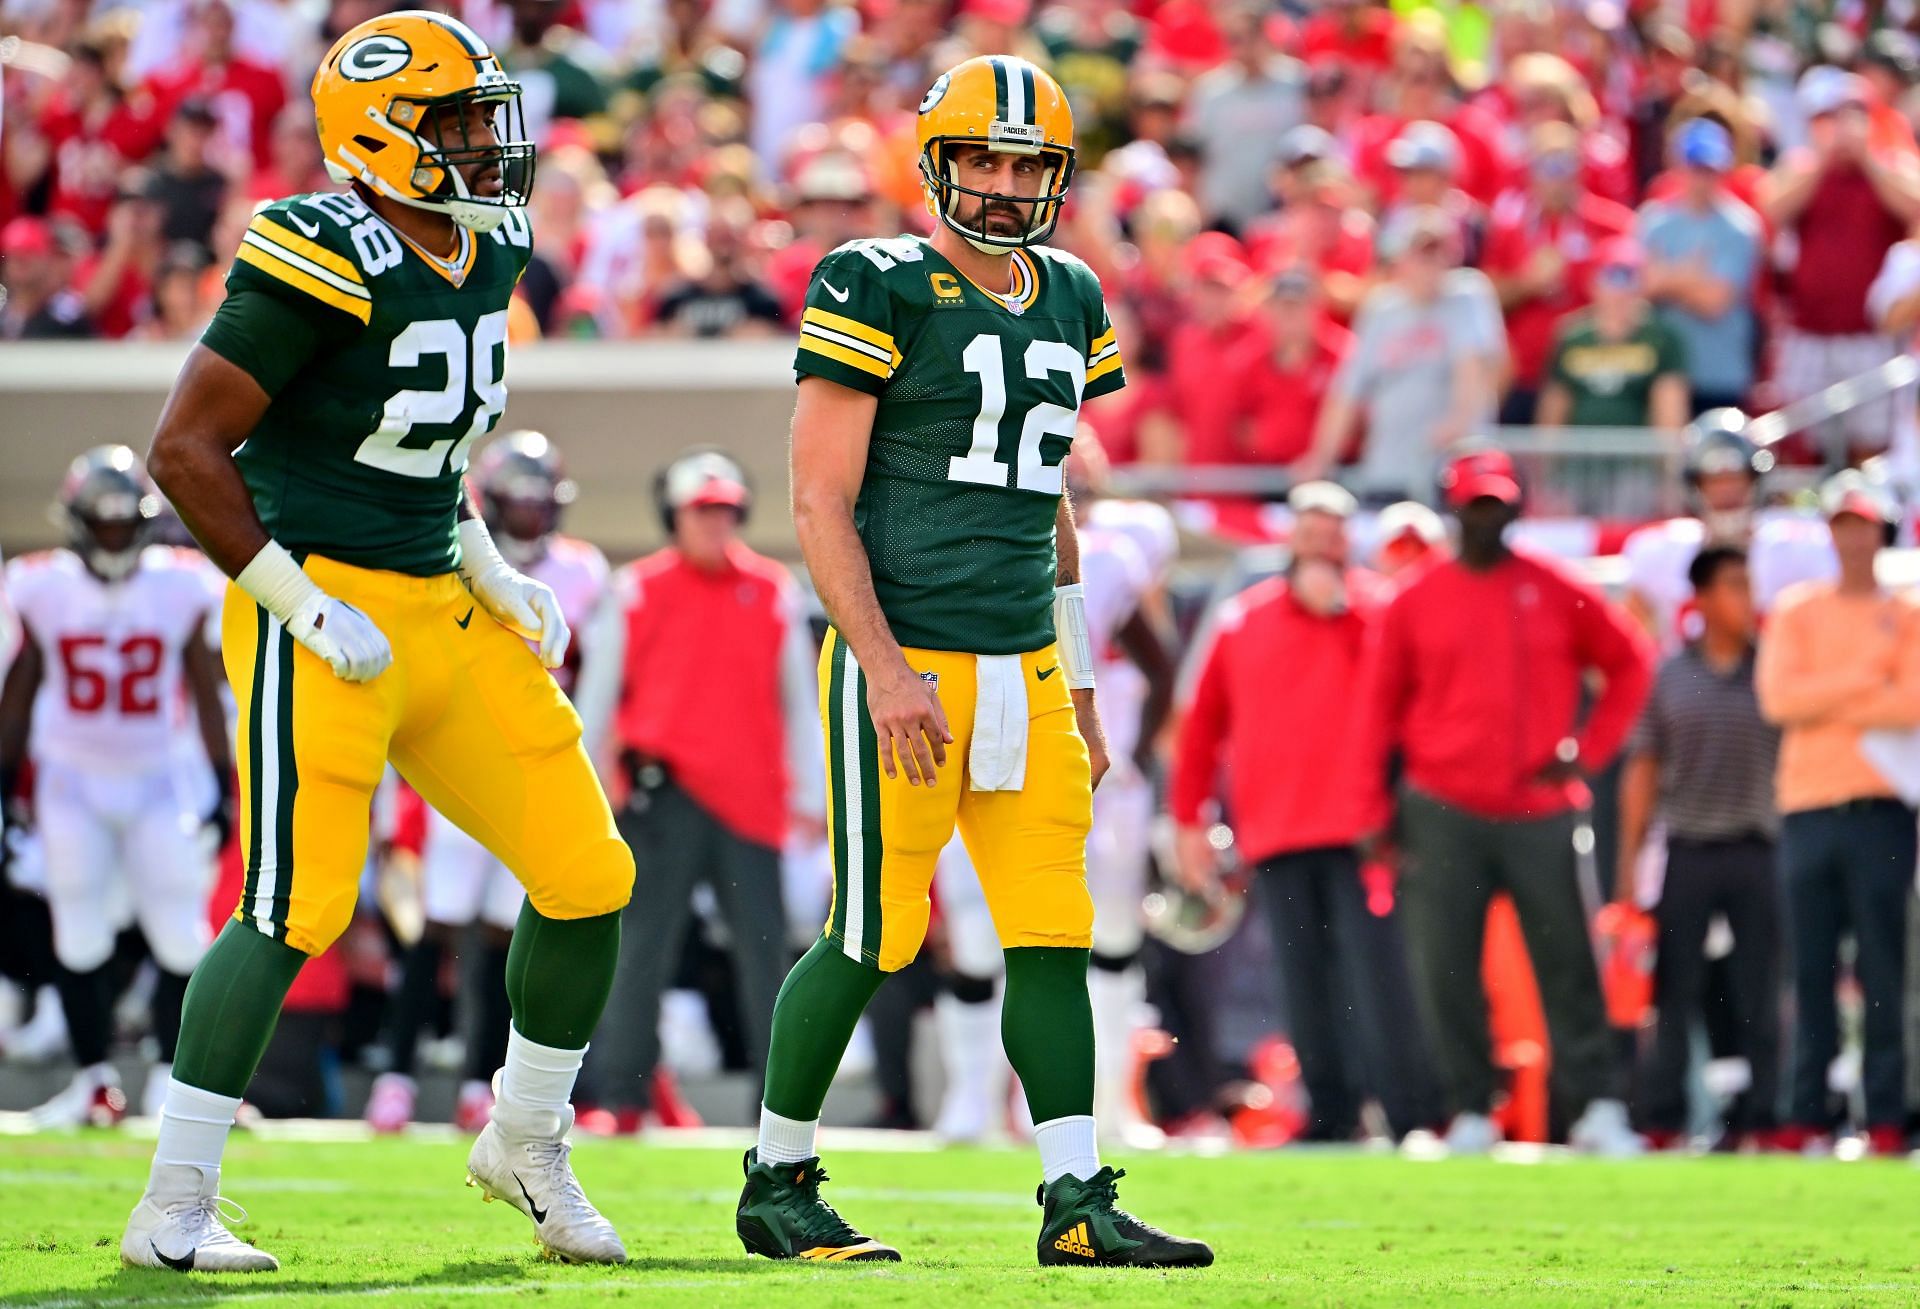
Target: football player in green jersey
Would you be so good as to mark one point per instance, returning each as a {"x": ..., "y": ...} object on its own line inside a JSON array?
[
  {"x": 314, "y": 443},
  {"x": 940, "y": 381}
]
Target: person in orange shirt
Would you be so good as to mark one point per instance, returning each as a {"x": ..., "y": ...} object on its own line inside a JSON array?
[{"x": 1839, "y": 664}]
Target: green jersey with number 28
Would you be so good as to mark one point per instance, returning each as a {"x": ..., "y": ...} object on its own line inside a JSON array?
[
  {"x": 384, "y": 364},
  {"x": 979, "y": 391}
]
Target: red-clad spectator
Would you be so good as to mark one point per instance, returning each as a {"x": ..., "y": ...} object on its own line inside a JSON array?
[
  {"x": 1426, "y": 165},
  {"x": 294, "y": 164},
  {"x": 1154, "y": 284},
  {"x": 115, "y": 282},
  {"x": 1353, "y": 33},
  {"x": 1186, "y": 34},
  {"x": 833, "y": 204},
  {"x": 1847, "y": 204},
  {"x": 1540, "y": 252},
  {"x": 1477, "y": 679},
  {"x": 245, "y": 97},
  {"x": 1281, "y": 380},
  {"x": 1215, "y": 325},
  {"x": 95, "y": 131},
  {"x": 1544, "y": 88},
  {"x": 1408, "y": 537},
  {"x": 1663, "y": 84},
  {"x": 1270, "y": 730},
  {"x": 38, "y": 305},
  {"x": 1336, "y": 104},
  {"x": 1889, "y": 64},
  {"x": 1325, "y": 228},
  {"x": 1421, "y": 88}
]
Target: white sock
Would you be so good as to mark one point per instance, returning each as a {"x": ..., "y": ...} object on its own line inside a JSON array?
[
  {"x": 536, "y": 1087},
  {"x": 193, "y": 1131},
  {"x": 1067, "y": 1147},
  {"x": 786, "y": 1140}
]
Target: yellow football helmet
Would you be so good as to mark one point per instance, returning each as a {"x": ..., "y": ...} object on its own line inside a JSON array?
[
  {"x": 1004, "y": 103},
  {"x": 374, "y": 92}
]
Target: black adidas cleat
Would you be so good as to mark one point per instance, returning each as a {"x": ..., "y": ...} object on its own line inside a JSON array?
[
  {"x": 1084, "y": 1225},
  {"x": 782, "y": 1216}
]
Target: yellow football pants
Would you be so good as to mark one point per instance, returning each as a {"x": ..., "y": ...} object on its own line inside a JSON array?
[
  {"x": 1029, "y": 846},
  {"x": 466, "y": 714}
]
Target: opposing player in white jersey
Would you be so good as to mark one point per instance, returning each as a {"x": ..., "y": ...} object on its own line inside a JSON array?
[
  {"x": 523, "y": 490},
  {"x": 113, "y": 667},
  {"x": 1725, "y": 470},
  {"x": 1127, "y": 549}
]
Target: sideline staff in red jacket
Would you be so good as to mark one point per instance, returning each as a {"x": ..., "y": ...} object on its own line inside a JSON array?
[
  {"x": 1273, "y": 719},
  {"x": 699, "y": 686},
  {"x": 1476, "y": 680}
]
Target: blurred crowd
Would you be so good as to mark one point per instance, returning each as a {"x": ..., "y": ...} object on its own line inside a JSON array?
[{"x": 1332, "y": 233}]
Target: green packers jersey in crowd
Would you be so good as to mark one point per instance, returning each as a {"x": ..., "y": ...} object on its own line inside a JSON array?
[
  {"x": 978, "y": 396},
  {"x": 384, "y": 363}
]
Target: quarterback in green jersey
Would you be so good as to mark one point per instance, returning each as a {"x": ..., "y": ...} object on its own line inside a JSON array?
[
  {"x": 940, "y": 380},
  {"x": 315, "y": 444}
]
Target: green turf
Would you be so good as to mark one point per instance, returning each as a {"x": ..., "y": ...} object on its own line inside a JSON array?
[{"x": 389, "y": 1221}]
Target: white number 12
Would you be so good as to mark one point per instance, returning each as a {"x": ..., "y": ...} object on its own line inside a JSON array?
[{"x": 984, "y": 359}]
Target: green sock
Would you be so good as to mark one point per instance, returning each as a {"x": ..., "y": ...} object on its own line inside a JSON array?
[
  {"x": 821, "y": 1000},
  {"x": 1046, "y": 1026},
  {"x": 232, "y": 1004},
  {"x": 559, "y": 971}
]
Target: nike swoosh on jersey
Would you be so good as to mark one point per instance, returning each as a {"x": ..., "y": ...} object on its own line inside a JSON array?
[
  {"x": 309, "y": 230},
  {"x": 461, "y": 623},
  {"x": 835, "y": 291},
  {"x": 1045, "y": 673}
]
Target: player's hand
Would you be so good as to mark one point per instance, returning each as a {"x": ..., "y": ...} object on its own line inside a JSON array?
[
  {"x": 908, "y": 720},
  {"x": 343, "y": 638},
  {"x": 1088, "y": 719},
  {"x": 1196, "y": 862},
  {"x": 526, "y": 608}
]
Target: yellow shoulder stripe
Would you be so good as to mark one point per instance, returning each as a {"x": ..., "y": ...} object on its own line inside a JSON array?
[
  {"x": 361, "y": 309},
  {"x": 851, "y": 326},
  {"x": 265, "y": 227},
  {"x": 1109, "y": 365},
  {"x": 1101, "y": 341},
  {"x": 841, "y": 354}
]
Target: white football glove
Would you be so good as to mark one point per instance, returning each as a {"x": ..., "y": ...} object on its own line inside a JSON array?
[
  {"x": 345, "y": 639},
  {"x": 342, "y": 637},
  {"x": 518, "y": 603}
]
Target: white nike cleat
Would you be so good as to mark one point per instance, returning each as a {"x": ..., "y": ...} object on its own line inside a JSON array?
[
  {"x": 183, "y": 1229},
  {"x": 534, "y": 1176}
]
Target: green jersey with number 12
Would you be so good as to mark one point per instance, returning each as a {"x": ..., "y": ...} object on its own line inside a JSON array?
[
  {"x": 384, "y": 363},
  {"x": 979, "y": 392}
]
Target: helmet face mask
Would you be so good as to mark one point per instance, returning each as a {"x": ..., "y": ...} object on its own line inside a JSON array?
[
  {"x": 1008, "y": 106},
  {"x": 391, "y": 101}
]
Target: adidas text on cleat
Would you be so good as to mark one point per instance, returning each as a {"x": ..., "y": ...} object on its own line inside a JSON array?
[
  {"x": 182, "y": 1229},
  {"x": 1083, "y": 1224},
  {"x": 535, "y": 1177},
  {"x": 782, "y": 1216}
]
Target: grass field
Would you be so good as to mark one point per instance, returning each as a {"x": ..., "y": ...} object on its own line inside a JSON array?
[{"x": 388, "y": 1221}]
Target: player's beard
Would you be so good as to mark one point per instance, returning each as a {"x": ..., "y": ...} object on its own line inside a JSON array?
[{"x": 998, "y": 218}]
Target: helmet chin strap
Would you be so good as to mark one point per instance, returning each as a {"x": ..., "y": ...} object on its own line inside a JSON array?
[{"x": 474, "y": 215}]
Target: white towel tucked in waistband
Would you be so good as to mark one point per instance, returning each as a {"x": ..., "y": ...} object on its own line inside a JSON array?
[{"x": 998, "y": 757}]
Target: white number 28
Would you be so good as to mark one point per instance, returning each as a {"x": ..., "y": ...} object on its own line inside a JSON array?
[{"x": 422, "y": 340}]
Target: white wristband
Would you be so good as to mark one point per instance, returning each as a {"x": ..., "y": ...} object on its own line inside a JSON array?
[
  {"x": 478, "y": 554},
  {"x": 1070, "y": 630},
  {"x": 277, "y": 583}
]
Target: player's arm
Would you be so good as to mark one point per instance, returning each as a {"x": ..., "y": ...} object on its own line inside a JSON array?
[
  {"x": 1140, "y": 638},
  {"x": 204, "y": 679},
  {"x": 1075, "y": 643},
  {"x": 1639, "y": 795},
  {"x": 214, "y": 406},
  {"x": 16, "y": 711},
  {"x": 832, "y": 425}
]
